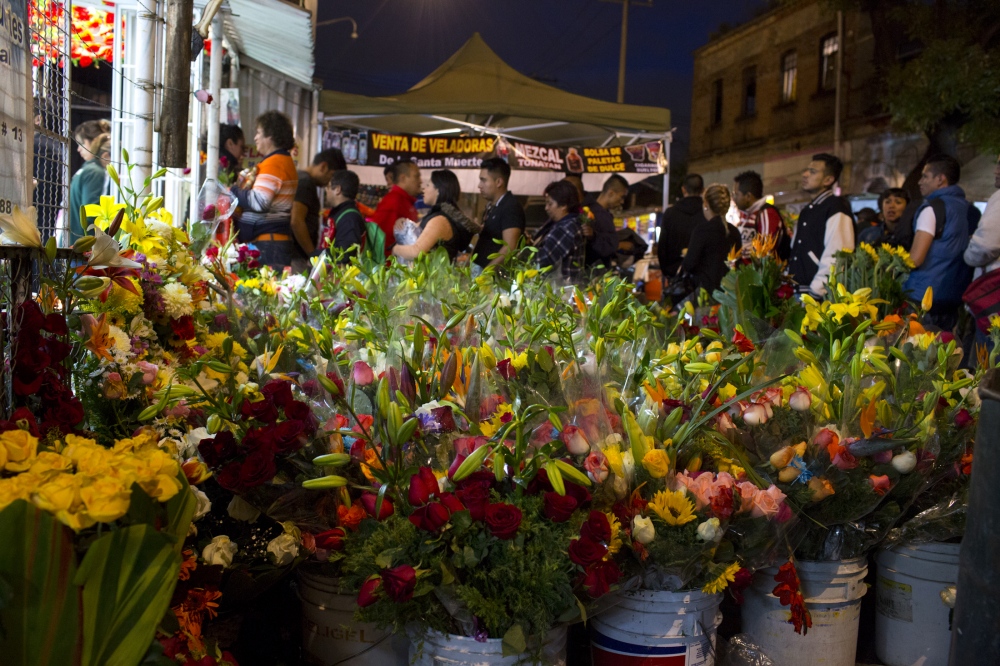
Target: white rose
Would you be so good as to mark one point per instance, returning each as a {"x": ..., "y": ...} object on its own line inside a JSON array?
[
  {"x": 643, "y": 530},
  {"x": 285, "y": 548},
  {"x": 220, "y": 551},
  {"x": 204, "y": 504},
  {"x": 239, "y": 509},
  {"x": 905, "y": 462},
  {"x": 710, "y": 530}
]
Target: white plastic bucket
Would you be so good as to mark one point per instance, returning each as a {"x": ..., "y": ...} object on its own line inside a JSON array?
[
  {"x": 657, "y": 629},
  {"x": 911, "y": 621},
  {"x": 436, "y": 649},
  {"x": 331, "y": 636},
  {"x": 832, "y": 592}
]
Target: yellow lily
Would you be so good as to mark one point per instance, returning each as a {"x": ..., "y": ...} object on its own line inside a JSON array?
[
  {"x": 103, "y": 213},
  {"x": 20, "y": 228}
]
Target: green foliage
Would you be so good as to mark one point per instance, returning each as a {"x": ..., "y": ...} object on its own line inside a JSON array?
[
  {"x": 465, "y": 573},
  {"x": 128, "y": 577},
  {"x": 41, "y": 619}
]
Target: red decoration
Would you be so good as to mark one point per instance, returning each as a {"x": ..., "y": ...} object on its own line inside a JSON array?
[{"x": 789, "y": 593}]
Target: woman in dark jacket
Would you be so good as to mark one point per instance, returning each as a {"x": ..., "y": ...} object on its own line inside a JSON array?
[
  {"x": 711, "y": 241},
  {"x": 445, "y": 225}
]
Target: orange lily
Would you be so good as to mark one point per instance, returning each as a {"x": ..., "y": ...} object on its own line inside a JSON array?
[{"x": 98, "y": 334}]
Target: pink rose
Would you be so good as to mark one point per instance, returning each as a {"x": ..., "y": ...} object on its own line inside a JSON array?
[
  {"x": 363, "y": 375},
  {"x": 575, "y": 441},
  {"x": 724, "y": 422},
  {"x": 148, "y": 372},
  {"x": 844, "y": 460},
  {"x": 748, "y": 491},
  {"x": 597, "y": 466},
  {"x": 756, "y": 414},
  {"x": 700, "y": 486},
  {"x": 767, "y": 503},
  {"x": 724, "y": 480}
]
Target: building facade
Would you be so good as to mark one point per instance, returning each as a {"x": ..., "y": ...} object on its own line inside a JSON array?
[{"x": 764, "y": 98}]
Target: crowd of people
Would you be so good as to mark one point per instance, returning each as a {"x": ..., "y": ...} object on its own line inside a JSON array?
[{"x": 280, "y": 212}]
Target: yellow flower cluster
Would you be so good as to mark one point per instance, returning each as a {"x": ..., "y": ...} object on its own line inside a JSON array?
[
  {"x": 673, "y": 507},
  {"x": 82, "y": 482},
  {"x": 723, "y": 580}
]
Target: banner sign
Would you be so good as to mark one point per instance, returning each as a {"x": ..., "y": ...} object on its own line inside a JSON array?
[
  {"x": 15, "y": 128},
  {"x": 374, "y": 148}
]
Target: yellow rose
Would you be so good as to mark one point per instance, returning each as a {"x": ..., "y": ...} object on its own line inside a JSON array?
[
  {"x": 75, "y": 520},
  {"x": 106, "y": 499},
  {"x": 21, "y": 448},
  {"x": 60, "y": 494},
  {"x": 657, "y": 463},
  {"x": 12, "y": 490},
  {"x": 47, "y": 462}
]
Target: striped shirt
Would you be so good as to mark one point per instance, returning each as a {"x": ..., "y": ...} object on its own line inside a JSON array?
[{"x": 267, "y": 207}]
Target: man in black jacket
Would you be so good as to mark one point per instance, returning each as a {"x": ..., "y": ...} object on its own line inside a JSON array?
[
  {"x": 601, "y": 235},
  {"x": 503, "y": 221},
  {"x": 678, "y": 222},
  {"x": 347, "y": 223}
]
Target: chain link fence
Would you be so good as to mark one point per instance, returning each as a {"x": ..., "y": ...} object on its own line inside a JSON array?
[{"x": 49, "y": 26}]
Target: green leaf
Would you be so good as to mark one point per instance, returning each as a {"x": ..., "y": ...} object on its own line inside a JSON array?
[
  {"x": 41, "y": 621},
  {"x": 180, "y": 512},
  {"x": 128, "y": 577},
  {"x": 514, "y": 642},
  {"x": 386, "y": 557}
]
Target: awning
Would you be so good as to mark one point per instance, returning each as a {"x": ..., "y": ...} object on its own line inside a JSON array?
[
  {"x": 475, "y": 90},
  {"x": 274, "y": 33}
]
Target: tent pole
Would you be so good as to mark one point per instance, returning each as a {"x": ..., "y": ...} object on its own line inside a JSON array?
[{"x": 667, "y": 139}]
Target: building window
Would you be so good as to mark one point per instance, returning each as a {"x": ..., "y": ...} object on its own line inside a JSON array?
[
  {"x": 717, "y": 102},
  {"x": 749, "y": 92},
  {"x": 828, "y": 47},
  {"x": 789, "y": 76}
]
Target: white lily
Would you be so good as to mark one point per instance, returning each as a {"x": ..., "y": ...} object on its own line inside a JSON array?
[
  {"x": 107, "y": 253},
  {"x": 20, "y": 228}
]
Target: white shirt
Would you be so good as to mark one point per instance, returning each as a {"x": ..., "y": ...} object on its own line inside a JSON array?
[{"x": 926, "y": 221}]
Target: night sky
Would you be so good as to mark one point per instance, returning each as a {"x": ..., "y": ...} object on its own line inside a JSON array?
[{"x": 571, "y": 44}]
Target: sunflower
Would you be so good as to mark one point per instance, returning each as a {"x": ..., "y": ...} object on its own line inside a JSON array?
[
  {"x": 723, "y": 580},
  {"x": 674, "y": 508}
]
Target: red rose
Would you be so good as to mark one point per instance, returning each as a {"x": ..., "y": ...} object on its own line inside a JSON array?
[
  {"x": 298, "y": 410},
  {"x": 399, "y": 582},
  {"x": 288, "y": 436},
  {"x": 368, "y": 594},
  {"x": 451, "y": 502},
  {"x": 279, "y": 392},
  {"x": 369, "y": 500},
  {"x": 258, "y": 468},
  {"x": 183, "y": 328},
  {"x": 962, "y": 418},
  {"x": 478, "y": 478},
  {"x": 506, "y": 370},
  {"x": 24, "y": 419},
  {"x": 229, "y": 477},
  {"x": 431, "y": 517},
  {"x": 466, "y": 445},
  {"x": 599, "y": 578},
  {"x": 503, "y": 520},
  {"x": 331, "y": 539},
  {"x": 219, "y": 449},
  {"x": 785, "y": 291},
  {"x": 584, "y": 551},
  {"x": 597, "y": 527},
  {"x": 558, "y": 508},
  {"x": 423, "y": 486},
  {"x": 475, "y": 497},
  {"x": 262, "y": 410}
]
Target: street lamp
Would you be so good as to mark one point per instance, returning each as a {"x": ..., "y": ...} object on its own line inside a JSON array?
[{"x": 354, "y": 29}]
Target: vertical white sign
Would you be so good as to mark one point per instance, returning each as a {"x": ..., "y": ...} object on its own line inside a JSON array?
[{"x": 15, "y": 121}]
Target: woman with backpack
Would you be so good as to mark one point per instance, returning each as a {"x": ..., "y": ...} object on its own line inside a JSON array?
[{"x": 445, "y": 225}]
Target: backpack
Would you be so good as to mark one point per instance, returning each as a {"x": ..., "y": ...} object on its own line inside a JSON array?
[
  {"x": 940, "y": 216},
  {"x": 784, "y": 246},
  {"x": 372, "y": 236}
]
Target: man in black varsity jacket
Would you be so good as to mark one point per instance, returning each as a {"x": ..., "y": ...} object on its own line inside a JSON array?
[{"x": 825, "y": 226}]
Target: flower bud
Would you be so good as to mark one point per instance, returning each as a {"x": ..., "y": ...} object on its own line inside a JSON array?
[
  {"x": 643, "y": 530},
  {"x": 905, "y": 462}
]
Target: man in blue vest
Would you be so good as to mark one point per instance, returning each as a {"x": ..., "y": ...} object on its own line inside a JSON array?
[
  {"x": 824, "y": 228},
  {"x": 942, "y": 226}
]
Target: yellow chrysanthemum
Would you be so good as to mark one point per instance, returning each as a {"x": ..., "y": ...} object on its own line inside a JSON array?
[
  {"x": 722, "y": 582},
  {"x": 673, "y": 507}
]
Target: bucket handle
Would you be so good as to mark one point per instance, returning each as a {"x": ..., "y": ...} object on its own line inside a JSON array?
[{"x": 355, "y": 656}]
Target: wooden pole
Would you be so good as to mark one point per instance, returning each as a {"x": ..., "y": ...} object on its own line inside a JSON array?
[{"x": 177, "y": 84}]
